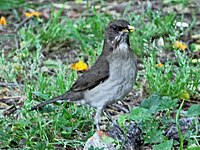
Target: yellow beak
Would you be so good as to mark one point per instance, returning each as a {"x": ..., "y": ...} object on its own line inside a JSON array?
[{"x": 129, "y": 29}]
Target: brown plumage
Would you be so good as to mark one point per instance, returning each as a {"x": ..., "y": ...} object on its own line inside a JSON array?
[{"x": 111, "y": 77}]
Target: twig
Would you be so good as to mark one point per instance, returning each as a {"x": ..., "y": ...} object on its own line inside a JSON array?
[
  {"x": 121, "y": 108},
  {"x": 22, "y": 23},
  {"x": 17, "y": 28},
  {"x": 11, "y": 85},
  {"x": 16, "y": 42},
  {"x": 7, "y": 32},
  {"x": 10, "y": 99}
]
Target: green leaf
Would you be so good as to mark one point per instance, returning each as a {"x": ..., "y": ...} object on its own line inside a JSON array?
[
  {"x": 10, "y": 4},
  {"x": 51, "y": 62},
  {"x": 152, "y": 134},
  {"x": 122, "y": 119},
  {"x": 166, "y": 145},
  {"x": 152, "y": 103},
  {"x": 95, "y": 148},
  {"x": 108, "y": 140},
  {"x": 139, "y": 114},
  {"x": 193, "y": 147},
  {"x": 157, "y": 103},
  {"x": 167, "y": 103},
  {"x": 41, "y": 95},
  {"x": 194, "y": 110}
]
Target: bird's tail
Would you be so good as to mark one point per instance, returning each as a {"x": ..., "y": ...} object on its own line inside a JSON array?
[{"x": 61, "y": 97}]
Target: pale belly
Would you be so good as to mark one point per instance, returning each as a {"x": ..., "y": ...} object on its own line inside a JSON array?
[{"x": 115, "y": 88}]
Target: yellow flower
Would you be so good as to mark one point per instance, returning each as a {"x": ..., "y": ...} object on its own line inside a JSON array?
[
  {"x": 160, "y": 65},
  {"x": 28, "y": 14},
  {"x": 32, "y": 14},
  {"x": 36, "y": 14},
  {"x": 180, "y": 45},
  {"x": 80, "y": 66},
  {"x": 3, "y": 21}
]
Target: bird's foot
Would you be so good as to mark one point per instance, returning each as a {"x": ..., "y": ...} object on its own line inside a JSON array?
[{"x": 113, "y": 121}]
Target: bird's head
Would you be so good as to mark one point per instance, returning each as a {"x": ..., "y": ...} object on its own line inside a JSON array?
[{"x": 118, "y": 32}]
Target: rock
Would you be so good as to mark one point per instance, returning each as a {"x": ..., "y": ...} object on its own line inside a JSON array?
[
  {"x": 130, "y": 138},
  {"x": 99, "y": 140}
]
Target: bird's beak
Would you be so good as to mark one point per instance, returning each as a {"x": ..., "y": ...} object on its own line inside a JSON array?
[{"x": 129, "y": 29}]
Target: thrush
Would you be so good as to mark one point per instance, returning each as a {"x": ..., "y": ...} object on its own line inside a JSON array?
[{"x": 111, "y": 77}]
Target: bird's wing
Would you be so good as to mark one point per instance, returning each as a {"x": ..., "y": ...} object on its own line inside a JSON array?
[{"x": 97, "y": 74}]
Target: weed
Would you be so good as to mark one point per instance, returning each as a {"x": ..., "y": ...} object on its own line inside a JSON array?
[
  {"x": 68, "y": 125},
  {"x": 170, "y": 79}
]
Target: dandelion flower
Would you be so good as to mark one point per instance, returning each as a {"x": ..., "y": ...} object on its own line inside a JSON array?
[
  {"x": 32, "y": 14},
  {"x": 160, "y": 65},
  {"x": 3, "y": 21},
  {"x": 180, "y": 45},
  {"x": 80, "y": 66}
]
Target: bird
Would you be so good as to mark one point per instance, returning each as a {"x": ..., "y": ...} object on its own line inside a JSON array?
[{"x": 111, "y": 77}]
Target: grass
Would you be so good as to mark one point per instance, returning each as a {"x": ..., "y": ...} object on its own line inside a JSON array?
[
  {"x": 172, "y": 80},
  {"x": 69, "y": 125}
]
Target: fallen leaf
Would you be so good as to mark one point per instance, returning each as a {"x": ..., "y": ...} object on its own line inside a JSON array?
[
  {"x": 64, "y": 6},
  {"x": 161, "y": 42},
  {"x": 194, "y": 61},
  {"x": 182, "y": 24},
  {"x": 3, "y": 105},
  {"x": 196, "y": 36},
  {"x": 3, "y": 91}
]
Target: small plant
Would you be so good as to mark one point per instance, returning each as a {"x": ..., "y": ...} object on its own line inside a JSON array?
[
  {"x": 43, "y": 77},
  {"x": 170, "y": 79},
  {"x": 155, "y": 118}
]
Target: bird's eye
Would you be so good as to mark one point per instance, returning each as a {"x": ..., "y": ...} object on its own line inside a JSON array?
[{"x": 114, "y": 27}]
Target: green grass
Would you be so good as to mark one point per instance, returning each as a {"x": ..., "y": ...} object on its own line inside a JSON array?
[
  {"x": 68, "y": 125},
  {"x": 170, "y": 79}
]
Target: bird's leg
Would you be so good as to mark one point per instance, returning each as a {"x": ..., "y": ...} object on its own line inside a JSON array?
[
  {"x": 96, "y": 119},
  {"x": 121, "y": 108},
  {"x": 113, "y": 121}
]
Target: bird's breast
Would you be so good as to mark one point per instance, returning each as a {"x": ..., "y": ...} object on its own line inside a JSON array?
[{"x": 122, "y": 72}]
